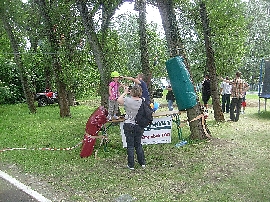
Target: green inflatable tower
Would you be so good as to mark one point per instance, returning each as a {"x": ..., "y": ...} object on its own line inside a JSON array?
[{"x": 182, "y": 86}]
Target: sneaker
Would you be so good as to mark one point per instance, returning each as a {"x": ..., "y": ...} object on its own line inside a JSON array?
[
  {"x": 242, "y": 112},
  {"x": 115, "y": 117},
  {"x": 109, "y": 118},
  {"x": 143, "y": 166},
  {"x": 230, "y": 120},
  {"x": 130, "y": 168}
]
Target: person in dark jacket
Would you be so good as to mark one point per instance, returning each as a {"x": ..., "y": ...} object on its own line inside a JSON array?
[
  {"x": 206, "y": 92},
  {"x": 170, "y": 98}
]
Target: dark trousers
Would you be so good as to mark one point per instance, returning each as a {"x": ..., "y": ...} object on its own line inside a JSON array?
[
  {"x": 133, "y": 135},
  {"x": 235, "y": 105},
  {"x": 226, "y": 102}
]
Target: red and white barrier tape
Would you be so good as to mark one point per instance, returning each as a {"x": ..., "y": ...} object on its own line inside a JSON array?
[{"x": 43, "y": 149}]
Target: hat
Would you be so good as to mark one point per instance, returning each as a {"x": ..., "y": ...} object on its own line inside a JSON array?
[{"x": 115, "y": 74}]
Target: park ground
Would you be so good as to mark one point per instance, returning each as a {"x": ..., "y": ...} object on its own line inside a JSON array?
[{"x": 232, "y": 166}]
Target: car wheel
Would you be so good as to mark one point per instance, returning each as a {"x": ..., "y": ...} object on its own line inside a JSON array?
[{"x": 42, "y": 102}]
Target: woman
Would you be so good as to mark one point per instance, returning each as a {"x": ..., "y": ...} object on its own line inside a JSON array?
[{"x": 133, "y": 132}]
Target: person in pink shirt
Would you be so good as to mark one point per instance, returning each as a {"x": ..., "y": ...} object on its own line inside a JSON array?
[{"x": 113, "y": 96}]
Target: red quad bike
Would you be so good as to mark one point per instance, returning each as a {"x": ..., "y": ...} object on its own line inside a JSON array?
[
  {"x": 48, "y": 97},
  {"x": 93, "y": 126}
]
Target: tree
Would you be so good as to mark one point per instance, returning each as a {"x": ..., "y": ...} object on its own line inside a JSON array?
[
  {"x": 57, "y": 67},
  {"x": 176, "y": 47},
  {"x": 140, "y": 5},
  {"x": 211, "y": 65},
  {"x": 97, "y": 43},
  {"x": 5, "y": 9}
]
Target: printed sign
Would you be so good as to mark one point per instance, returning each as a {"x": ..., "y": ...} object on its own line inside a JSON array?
[{"x": 158, "y": 132}]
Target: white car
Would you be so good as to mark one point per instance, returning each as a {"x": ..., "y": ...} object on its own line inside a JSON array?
[{"x": 164, "y": 82}]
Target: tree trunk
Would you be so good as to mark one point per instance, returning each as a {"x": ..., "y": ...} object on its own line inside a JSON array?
[
  {"x": 61, "y": 86},
  {"x": 211, "y": 65},
  {"x": 141, "y": 6},
  {"x": 29, "y": 95},
  {"x": 97, "y": 51},
  {"x": 196, "y": 120}
]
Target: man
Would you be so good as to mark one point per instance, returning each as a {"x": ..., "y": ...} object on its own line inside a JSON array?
[
  {"x": 140, "y": 81},
  {"x": 225, "y": 91},
  {"x": 239, "y": 87},
  {"x": 206, "y": 92}
]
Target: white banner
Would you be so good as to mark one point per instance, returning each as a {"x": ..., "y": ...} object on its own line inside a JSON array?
[{"x": 158, "y": 132}]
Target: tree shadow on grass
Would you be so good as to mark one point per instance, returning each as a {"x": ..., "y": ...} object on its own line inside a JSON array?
[{"x": 262, "y": 115}]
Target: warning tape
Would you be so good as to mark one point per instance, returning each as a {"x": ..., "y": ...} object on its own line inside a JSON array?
[
  {"x": 42, "y": 149},
  {"x": 202, "y": 116}
]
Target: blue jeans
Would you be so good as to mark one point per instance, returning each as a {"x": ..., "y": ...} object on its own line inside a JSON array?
[
  {"x": 133, "y": 135},
  {"x": 235, "y": 105},
  {"x": 170, "y": 105},
  {"x": 226, "y": 101}
]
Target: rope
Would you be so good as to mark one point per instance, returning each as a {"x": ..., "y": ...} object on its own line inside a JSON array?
[
  {"x": 42, "y": 149},
  {"x": 203, "y": 123}
]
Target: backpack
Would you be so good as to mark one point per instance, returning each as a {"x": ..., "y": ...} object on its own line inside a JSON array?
[{"x": 144, "y": 116}]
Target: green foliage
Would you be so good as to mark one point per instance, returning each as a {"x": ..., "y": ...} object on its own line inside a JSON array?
[
  {"x": 257, "y": 14},
  {"x": 225, "y": 20},
  {"x": 128, "y": 30},
  {"x": 10, "y": 85},
  {"x": 227, "y": 39}
]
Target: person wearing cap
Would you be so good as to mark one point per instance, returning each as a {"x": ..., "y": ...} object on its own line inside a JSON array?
[{"x": 113, "y": 96}]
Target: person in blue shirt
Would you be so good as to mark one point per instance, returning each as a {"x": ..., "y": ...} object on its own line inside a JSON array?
[{"x": 139, "y": 80}]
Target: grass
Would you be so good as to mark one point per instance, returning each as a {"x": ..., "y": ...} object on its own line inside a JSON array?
[{"x": 233, "y": 166}]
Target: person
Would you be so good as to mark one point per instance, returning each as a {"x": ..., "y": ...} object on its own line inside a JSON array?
[
  {"x": 244, "y": 104},
  {"x": 239, "y": 87},
  {"x": 132, "y": 131},
  {"x": 113, "y": 95},
  {"x": 140, "y": 81},
  {"x": 206, "y": 92},
  {"x": 170, "y": 98},
  {"x": 225, "y": 91}
]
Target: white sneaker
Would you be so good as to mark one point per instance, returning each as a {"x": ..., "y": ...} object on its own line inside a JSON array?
[
  {"x": 115, "y": 117},
  {"x": 130, "y": 168},
  {"x": 143, "y": 166},
  {"x": 109, "y": 117}
]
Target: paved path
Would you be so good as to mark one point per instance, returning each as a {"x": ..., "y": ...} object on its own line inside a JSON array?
[{"x": 11, "y": 190}]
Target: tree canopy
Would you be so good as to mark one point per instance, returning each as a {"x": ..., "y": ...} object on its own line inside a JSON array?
[{"x": 239, "y": 29}]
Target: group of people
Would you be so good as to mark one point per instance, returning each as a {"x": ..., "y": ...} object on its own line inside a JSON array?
[
  {"x": 233, "y": 95},
  {"x": 132, "y": 103}
]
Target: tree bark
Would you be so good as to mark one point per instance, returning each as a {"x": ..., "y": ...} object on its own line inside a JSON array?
[
  {"x": 29, "y": 95},
  {"x": 97, "y": 51},
  {"x": 141, "y": 6},
  {"x": 215, "y": 94},
  {"x": 59, "y": 75},
  {"x": 198, "y": 127}
]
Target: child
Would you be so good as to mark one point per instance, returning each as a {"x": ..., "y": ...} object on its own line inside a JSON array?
[
  {"x": 113, "y": 95},
  {"x": 244, "y": 104}
]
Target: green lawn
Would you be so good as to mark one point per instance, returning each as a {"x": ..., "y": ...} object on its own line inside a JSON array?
[{"x": 234, "y": 166}]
